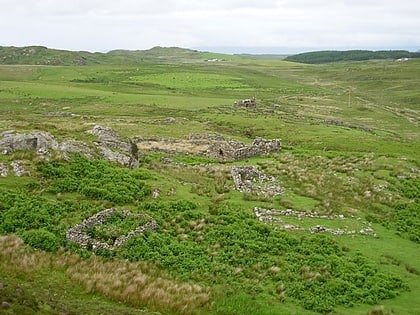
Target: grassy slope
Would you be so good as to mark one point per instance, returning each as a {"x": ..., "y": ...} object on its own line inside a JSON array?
[
  {"x": 318, "y": 57},
  {"x": 39, "y": 55},
  {"x": 383, "y": 96}
]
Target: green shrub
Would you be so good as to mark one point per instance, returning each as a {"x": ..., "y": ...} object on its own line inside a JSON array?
[
  {"x": 96, "y": 179},
  {"x": 406, "y": 221},
  {"x": 41, "y": 239}
]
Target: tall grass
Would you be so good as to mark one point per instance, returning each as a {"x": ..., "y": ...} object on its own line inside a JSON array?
[{"x": 140, "y": 284}]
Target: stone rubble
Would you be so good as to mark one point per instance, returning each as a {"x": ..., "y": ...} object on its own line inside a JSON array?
[
  {"x": 4, "y": 170},
  {"x": 18, "y": 169},
  {"x": 338, "y": 122},
  {"x": 274, "y": 216},
  {"x": 247, "y": 103},
  {"x": 235, "y": 151},
  {"x": 248, "y": 179}
]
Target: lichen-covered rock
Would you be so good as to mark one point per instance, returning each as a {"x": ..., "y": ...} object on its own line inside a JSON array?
[
  {"x": 110, "y": 146},
  {"x": 18, "y": 169},
  {"x": 110, "y": 138},
  {"x": 74, "y": 146},
  {"x": 114, "y": 148},
  {"x": 11, "y": 141}
]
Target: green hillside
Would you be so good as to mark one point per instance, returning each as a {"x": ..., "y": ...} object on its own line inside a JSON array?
[
  {"x": 317, "y": 57},
  {"x": 38, "y": 55},
  {"x": 329, "y": 224}
]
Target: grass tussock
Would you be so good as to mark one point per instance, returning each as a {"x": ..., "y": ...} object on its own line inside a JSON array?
[
  {"x": 139, "y": 283},
  {"x": 15, "y": 258}
]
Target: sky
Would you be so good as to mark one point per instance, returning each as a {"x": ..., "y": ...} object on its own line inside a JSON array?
[{"x": 230, "y": 26}]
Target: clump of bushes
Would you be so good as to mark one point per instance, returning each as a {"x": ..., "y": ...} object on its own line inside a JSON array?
[
  {"x": 230, "y": 246},
  {"x": 41, "y": 239},
  {"x": 96, "y": 179}
]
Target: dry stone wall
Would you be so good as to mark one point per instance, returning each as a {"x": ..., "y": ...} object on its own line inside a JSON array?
[
  {"x": 235, "y": 151},
  {"x": 78, "y": 233},
  {"x": 275, "y": 216},
  {"x": 214, "y": 146}
]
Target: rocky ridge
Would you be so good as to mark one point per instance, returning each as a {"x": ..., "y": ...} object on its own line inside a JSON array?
[{"x": 110, "y": 146}]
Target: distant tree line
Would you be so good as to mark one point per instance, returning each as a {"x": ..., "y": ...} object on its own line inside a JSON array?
[{"x": 327, "y": 56}]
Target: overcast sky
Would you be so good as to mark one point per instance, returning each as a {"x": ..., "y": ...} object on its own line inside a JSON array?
[{"x": 257, "y": 26}]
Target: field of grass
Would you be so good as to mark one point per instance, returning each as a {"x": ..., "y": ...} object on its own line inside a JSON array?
[{"x": 211, "y": 254}]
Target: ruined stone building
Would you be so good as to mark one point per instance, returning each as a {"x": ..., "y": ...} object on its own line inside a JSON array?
[
  {"x": 215, "y": 146},
  {"x": 234, "y": 151}
]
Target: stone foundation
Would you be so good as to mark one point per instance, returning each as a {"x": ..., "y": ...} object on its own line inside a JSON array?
[
  {"x": 275, "y": 216},
  {"x": 248, "y": 179},
  {"x": 212, "y": 145},
  {"x": 78, "y": 233}
]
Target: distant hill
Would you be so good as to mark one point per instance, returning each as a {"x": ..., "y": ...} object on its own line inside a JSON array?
[
  {"x": 264, "y": 56},
  {"x": 327, "y": 56},
  {"x": 39, "y": 55}
]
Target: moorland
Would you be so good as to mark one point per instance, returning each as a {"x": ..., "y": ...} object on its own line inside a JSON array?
[{"x": 349, "y": 163}]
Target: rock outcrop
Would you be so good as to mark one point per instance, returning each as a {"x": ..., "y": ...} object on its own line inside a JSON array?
[
  {"x": 39, "y": 140},
  {"x": 110, "y": 138},
  {"x": 114, "y": 148},
  {"x": 110, "y": 145}
]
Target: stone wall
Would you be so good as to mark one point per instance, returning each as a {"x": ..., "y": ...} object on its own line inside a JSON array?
[
  {"x": 275, "y": 216},
  {"x": 78, "y": 233},
  {"x": 214, "y": 146},
  {"x": 338, "y": 122},
  {"x": 235, "y": 151}
]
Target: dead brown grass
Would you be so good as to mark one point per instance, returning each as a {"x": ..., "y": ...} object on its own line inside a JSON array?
[{"x": 139, "y": 283}]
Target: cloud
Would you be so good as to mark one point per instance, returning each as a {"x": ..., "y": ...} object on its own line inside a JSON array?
[{"x": 140, "y": 24}]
